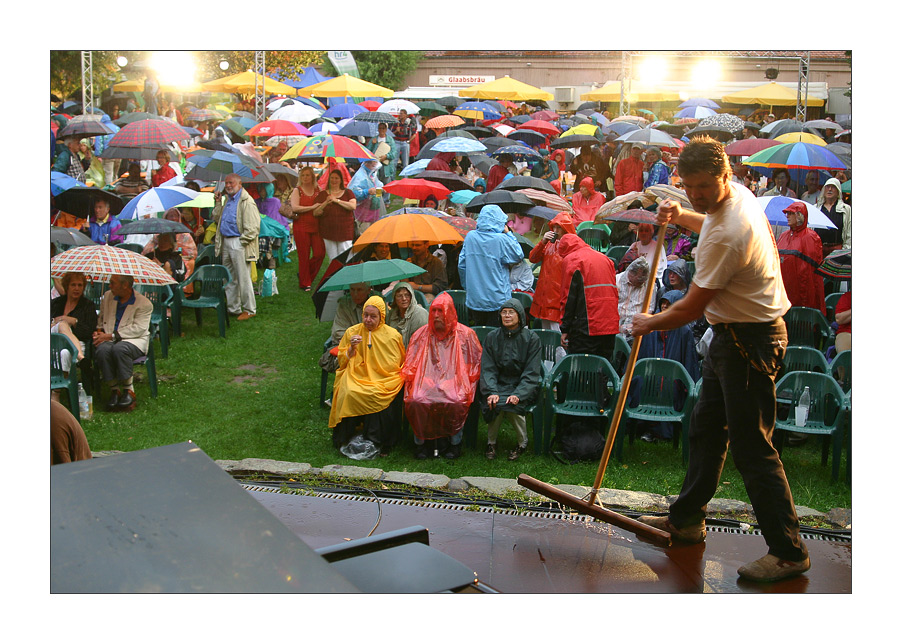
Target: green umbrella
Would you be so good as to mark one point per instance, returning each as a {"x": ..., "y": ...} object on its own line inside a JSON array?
[
  {"x": 431, "y": 108},
  {"x": 380, "y": 271}
]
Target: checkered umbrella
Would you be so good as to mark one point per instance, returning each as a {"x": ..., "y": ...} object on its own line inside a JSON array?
[
  {"x": 147, "y": 132},
  {"x": 85, "y": 126},
  {"x": 100, "y": 262}
]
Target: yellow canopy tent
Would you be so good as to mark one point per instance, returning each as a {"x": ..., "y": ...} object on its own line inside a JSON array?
[
  {"x": 768, "y": 94},
  {"x": 506, "y": 88},
  {"x": 215, "y": 85},
  {"x": 345, "y": 85},
  {"x": 638, "y": 93},
  {"x": 245, "y": 83}
]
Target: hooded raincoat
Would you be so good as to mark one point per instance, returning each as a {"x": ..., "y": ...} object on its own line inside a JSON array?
[
  {"x": 585, "y": 208},
  {"x": 412, "y": 319},
  {"x": 369, "y": 381},
  {"x": 369, "y": 207},
  {"x": 588, "y": 290},
  {"x": 511, "y": 366},
  {"x": 546, "y": 303},
  {"x": 485, "y": 259},
  {"x": 440, "y": 373},
  {"x": 801, "y": 252}
]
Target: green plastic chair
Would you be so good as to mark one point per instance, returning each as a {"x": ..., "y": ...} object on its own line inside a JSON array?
[
  {"x": 206, "y": 257},
  {"x": 830, "y": 304},
  {"x": 161, "y": 296},
  {"x": 459, "y": 297},
  {"x": 826, "y": 415},
  {"x": 616, "y": 253},
  {"x": 526, "y": 300},
  {"x": 579, "y": 385},
  {"x": 324, "y": 378},
  {"x": 653, "y": 398},
  {"x": 799, "y": 358},
  {"x": 551, "y": 341},
  {"x": 94, "y": 291},
  {"x": 841, "y": 370},
  {"x": 482, "y": 332},
  {"x": 211, "y": 282},
  {"x": 58, "y": 379},
  {"x": 621, "y": 355},
  {"x": 598, "y": 238},
  {"x": 148, "y": 361},
  {"x": 135, "y": 248},
  {"x": 807, "y": 327}
]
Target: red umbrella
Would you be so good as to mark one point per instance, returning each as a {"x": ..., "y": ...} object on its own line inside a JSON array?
[
  {"x": 417, "y": 189},
  {"x": 463, "y": 225},
  {"x": 546, "y": 115},
  {"x": 147, "y": 132},
  {"x": 278, "y": 127},
  {"x": 538, "y": 125},
  {"x": 372, "y": 106},
  {"x": 748, "y": 147}
]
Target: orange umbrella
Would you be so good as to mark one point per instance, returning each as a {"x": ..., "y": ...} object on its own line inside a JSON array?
[
  {"x": 416, "y": 189},
  {"x": 445, "y": 120},
  {"x": 405, "y": 228}
]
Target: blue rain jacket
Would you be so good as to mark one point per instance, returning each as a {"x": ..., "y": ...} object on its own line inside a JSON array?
[{"x": 485, "y": 260}]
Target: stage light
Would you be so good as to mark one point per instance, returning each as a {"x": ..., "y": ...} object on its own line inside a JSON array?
[
  {"x": 653, "y": 70},
  {"x": 122, "y": 61},
  {"x": 705, "y": 73},
  {"x": 224, "y": 65},
  {"x": 173, "y": 67}
]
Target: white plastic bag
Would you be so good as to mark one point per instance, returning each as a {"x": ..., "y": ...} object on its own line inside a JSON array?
[{"x": 360, "y": 449}]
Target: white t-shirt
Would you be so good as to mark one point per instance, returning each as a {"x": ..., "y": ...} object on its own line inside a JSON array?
[{"x": 737, "y": 255}]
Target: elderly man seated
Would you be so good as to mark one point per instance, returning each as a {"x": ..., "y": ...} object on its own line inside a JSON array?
[
  {"x": 440, "y": 375},
  {"x": 365, "y": 399},
  {"x": 124, "y": 335}
]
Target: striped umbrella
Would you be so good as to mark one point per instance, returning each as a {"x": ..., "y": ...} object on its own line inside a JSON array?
[
  {"x": 837, "y": 265},
  {"x": 547, "y": 199},
  {"x": 101, "y": 261},
  {"x": 325, "y": 146},
  {"x": 805, "y": 156},
  {"x": 695, "y": 112},
  {"x": 147, "y": 132},
  {"x": 800, "y": 137},
  {"x": 156, "y": 200},
  {"x": 323, "y": 128},
  {"x": 131, "y": 117}
]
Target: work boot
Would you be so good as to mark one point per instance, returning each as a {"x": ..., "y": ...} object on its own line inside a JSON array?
[
  {"x": 771, "y": 568},
  {"x": 113, "y": 402},
  {"x": 694, "y": 533}
]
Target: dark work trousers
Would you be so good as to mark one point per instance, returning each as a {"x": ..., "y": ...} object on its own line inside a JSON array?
[
  {"x": 115, "y": 359},
  {"x": 736, "y": 410}
]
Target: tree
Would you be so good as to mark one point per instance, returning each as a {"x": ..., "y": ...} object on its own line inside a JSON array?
[
  {"x": 65, "y": 71},
  {"x": 386, "y": 68},
  {"x": 286, "y": 62}
]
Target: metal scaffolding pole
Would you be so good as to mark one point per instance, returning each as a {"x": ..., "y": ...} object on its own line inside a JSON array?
[
  {"x": 802, "y": 100},
  {"x": 626, "y": 72},
  {"x": 259, "y": 87},
  {"x": 87, "y": 83}
]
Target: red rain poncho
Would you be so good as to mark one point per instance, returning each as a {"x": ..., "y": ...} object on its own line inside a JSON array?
[
  {"x": 599, "y": 283},
  {"x": 801, "y": 252},
  {"x": 440, "y": 373},
  {"x": 546, "y": 303},
  {"x": 585, "y": 208}
]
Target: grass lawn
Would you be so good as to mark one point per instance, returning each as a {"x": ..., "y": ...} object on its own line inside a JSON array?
[{"x": 255, "y": 394}]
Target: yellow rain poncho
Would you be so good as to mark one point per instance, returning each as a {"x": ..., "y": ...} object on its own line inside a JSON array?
[{"x": 370, "y": 380}]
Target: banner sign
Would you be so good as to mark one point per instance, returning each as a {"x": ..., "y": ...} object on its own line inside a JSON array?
[
  {"x": 344, "y": 63},
  {"x": 460, "y": 79}
]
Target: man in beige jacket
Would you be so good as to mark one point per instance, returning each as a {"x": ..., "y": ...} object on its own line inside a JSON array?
[
  {"x": 124, "y": 335},
  {"x": 237, "y": 242}
]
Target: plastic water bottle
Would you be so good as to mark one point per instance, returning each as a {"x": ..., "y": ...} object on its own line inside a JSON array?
[
  {"x": 804, "y": 406},
  {"x": 82, "y": 402}
]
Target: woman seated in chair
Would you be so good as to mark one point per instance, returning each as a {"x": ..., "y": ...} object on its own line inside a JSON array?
[
  {"x": 365, "y": 398},
  {"x": 177, "y": 248},
  {"x": 73, "y": 315},
  {"x": 406, "y": 314}
]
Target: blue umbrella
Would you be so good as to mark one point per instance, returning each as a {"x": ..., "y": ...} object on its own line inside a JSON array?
[
  {"x": 600, "y": 119},
  {"x": 192, "y": 131},
  {"x": 358, "y": 128},
  {"x": 520, "y": 119},
  {"x": 700, "y": 102},
  {"x": 323, "y": 128},
  {"x": 775, "y": 205},
  {"x": 344, "y": 110},
  {"x": 156, "y": 200},
  {"x": 477, "y": 110},
  {"x": 458, "y": 144},
  {"x": 695, "y": 112},
  {"x": 60, "y": 182},
  {"x": 223, "y": 163},
  {"x": 463, "y": 196},
  {"x": 518, "y": 152},
  {"x": 620, "y": 127},
  {"x": 415, "y": 168}
]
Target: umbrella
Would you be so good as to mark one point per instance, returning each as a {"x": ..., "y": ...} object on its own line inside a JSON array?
[
  {"x": 404, "y": 228},
  {"x": 343, "y": 111},
  {"x": 748, "y": 147},
  {"x": 521, "y": 182},
  {"x": 823, "y": 124},
  {"x": 239, "y": 125},
  {"x": 79, "y": 201},
  {"x": 529, "y": 137},
  {"x": 555, "y": 201},
  {"x": 546, "y": 115},
  {"x": 718, "y": 132},
  {"x": 447, "y": 179},
  {"x": 200, "y": 116},
  {"x": 372, "y": 106},
  {"x": 843, "y": 152},
  {"x": 622, "y": 202},
  {"x": 539, "y": 126},
  {"x": 416, "y": 189},
  {"x": 492, "y": 143},
  {"x": 297, "y": 112},
  {"x": 800, "y": 137},
  {"x": 376, "y": 117},
  {"x": 152, "y": 226},
  {"x": 359, "y": 128},
  {"x": 132, "y": 117},
  {"x": 278, "y": 127},
  {"x": 507, "y": 200},
  {"x": 380, "y": 271},
  {"x": 542, "y": 212},
  {"x": 222, "y": 163},
  {"x": 501, "y": 129},
  {"x": 477, "y": 110},
  {"x": 649, "y": 136},
  {"x": 796, "y": 155},
  {"x": 517, "y": 152},
  {"x": 417, "y": 210},
  {"x": 322, "y": 128},
  {"x": 463, "y": 225},
  {"x": 774, "y": 206},
  {"x": 395, "y": 106},
  {"x": 69, "y": 237},
  {"x": 156, "y": 200},
  {"x": 443, "y": 121},
  {"x": 414, "y": 168},
  {"x": 277, "y": 168},
  {"x": 634, "y": 216},
  {"x": 700, "y": 102},
  {"x": 695, "y": 112},
  {"x": 519, "y": 119},
  {"x": 589, "y": 105},
  {"x": 60, "y": 182},
  {"x": 785, "y": 126},
  {"x": 729, "y": 122},
  {"x": 476, "y": 131},
  {"x": 191, "y": 131},
  {"x": 661, "y": 192},
  {"x": 326, "y": 146},
  {"x": 587, "y": 129},
  {"x": 85, "y": 126},
  {"x": 619, "y": 127},
  {"x": 450, "y": 101},
  {"x": 458, "y": 144},
  {"x": 431, "y": 108},
  {"x": 144, "y": 152},
  {"x": 458, "y": 131},
  {"x": 482, "y": 162},
  {"x": 463, "y": 196},
  {"x": 101, "y": 261},
  {"x": 837, "y": 265},
  {"x": 573, "y": 141},
  {"x": 147, "y": 132}
]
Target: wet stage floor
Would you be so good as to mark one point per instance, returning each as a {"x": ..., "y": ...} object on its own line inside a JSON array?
[{"x": 533, "y": 554}]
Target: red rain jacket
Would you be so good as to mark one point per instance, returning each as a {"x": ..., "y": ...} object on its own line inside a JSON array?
[
  {"x": 600, "y": 284},
  {"x": 546, "y": 302},
  {"x": 801, "y": 251}
]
